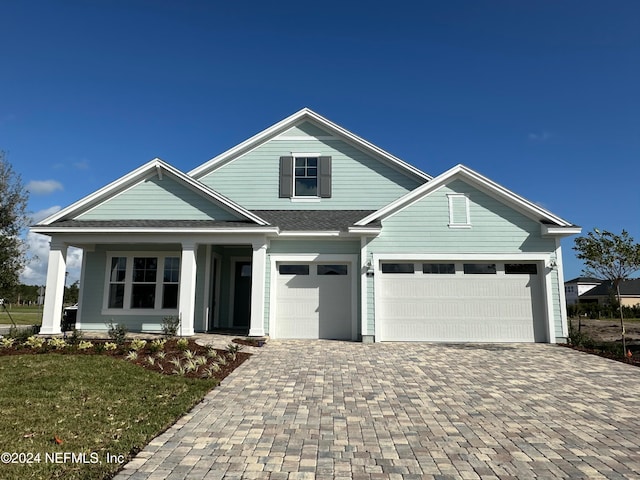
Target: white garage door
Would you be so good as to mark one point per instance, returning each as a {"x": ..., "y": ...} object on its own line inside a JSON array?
[
  {"x": 313, "y": 300},
  {"x": 460, "y": 302}
]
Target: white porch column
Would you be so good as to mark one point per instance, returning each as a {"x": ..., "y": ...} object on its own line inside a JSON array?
[
  {"x": 258, "y": 272},
  {"x": 54, "y": 295},
  {"x": 187, "y": 298}
]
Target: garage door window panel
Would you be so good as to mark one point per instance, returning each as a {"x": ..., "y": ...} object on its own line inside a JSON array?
[
  {"x": 332, "y": 270},
  {"x": 439, "y": 268},
  {"x": 293, "y": 269},
  {"x": 398, "y": 268},
  {"x": 479, "y": 268},
  {"x": 520, "y": 269}
]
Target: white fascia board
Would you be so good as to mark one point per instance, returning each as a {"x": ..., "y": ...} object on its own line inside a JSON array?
[
  {"x": 365, "y": 230},
  {"x": 552, "y": 230},
  {"x": 463, "y": 172},
  {"x": 297, "y": 118},
  {"x": 45, "y": 230},
  {"x": 305, "y": 233}
]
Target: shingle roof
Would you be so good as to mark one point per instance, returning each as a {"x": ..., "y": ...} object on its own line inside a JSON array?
[
  {"x": 314, "y": 220},
  {"x": 628, "y": 287},
  {"x": 584, "y": 280},
  {"x": 286, "y": 220}
]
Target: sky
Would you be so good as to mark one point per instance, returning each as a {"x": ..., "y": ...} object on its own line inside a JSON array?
[{"x": 542, "y": 97}]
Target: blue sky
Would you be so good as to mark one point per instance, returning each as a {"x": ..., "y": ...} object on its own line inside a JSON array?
[{"x": 542, "y": 97}]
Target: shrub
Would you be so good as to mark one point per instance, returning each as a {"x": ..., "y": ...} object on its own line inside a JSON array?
[
  {"x": 117, "y": 333},
  {"x": 110, "y": 346},
  {"x": 170, "y": 326},
  {"x": 132, "y": 355},
  {"x": 138, "y": 344},
  {"x": 157, "y": 345},
  {"x": 76, "y": 337},
  {"x": 57, "y": 343},
  {"x": 20, "y": 334},
  {"x": 7, "y": 342},
  {"x": 34, "y": 342},
  {"x": 182, "y": 344},
  {"x": 84, "y": 345}
]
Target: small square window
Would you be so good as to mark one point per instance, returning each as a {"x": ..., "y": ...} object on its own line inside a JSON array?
[{"x": 306, "y": 177}]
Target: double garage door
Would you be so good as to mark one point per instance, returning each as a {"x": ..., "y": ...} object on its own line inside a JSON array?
[
  {"x": 313, "y": 300},
  {"x": 460, "y": 302}
]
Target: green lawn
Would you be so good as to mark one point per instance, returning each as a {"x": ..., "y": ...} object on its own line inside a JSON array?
[
  {"x": 21, "y": 315},
  {"x": 94, "y": 404}
]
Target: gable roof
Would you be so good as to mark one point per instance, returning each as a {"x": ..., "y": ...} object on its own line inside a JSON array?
[
  {"x": 584, "y": 280},
  {"x": 627, "y": 287},
  {"x": 149, "y": 169},
  {"x": 307, "y": 115},
  {"x": 551, "y": 224}
]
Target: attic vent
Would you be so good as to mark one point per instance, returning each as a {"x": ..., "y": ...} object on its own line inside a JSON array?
[{"x": 459, "y": 211}]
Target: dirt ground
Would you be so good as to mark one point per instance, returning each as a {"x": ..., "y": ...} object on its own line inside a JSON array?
[{"x": 609, "y": 330}]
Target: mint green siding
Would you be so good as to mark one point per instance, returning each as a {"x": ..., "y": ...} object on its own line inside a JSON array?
[
  {"x": 423, "y": 227},
  {"x": 155, "y": 199},
  {"x": 358, "y": 180}
]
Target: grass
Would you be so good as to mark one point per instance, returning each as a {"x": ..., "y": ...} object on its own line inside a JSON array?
[
  {"x": 94, "y": 404},
  {"x": 21, "y": 315}
]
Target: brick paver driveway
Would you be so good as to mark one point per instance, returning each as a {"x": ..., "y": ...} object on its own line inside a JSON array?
[{"x": 321, "y": 409}]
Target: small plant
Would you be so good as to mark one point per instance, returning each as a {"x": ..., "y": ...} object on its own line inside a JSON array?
[
  {"x": 189, "y": 354},
  {"x": 132, "y": 356},
  {"x": 151, "y": 360},
  {"x": 191, "y": 365},
  {"x": 20, "y": 334},
  {"x": 98, "y": 347},
  {"x": 161, "y": 355},
  {"x": 76, "y": 337},
  {"x": 179, "y": 370},
  {"x": 212, "y": 353},
  {"x": 170, "y": 326},
  {"x": 175, "y": 361},
  {"x": 234, "y": 348},
  {"x": 34, "y": 342},
  {"x": 7, "y": 342},
  {"x": 110, "y": 346},
  {"x": 157, "y": 345},
  {"x": 182, "y": 344},
  {"x": 210, "y": 371},
  {"x": 57, "y": 343},
  {"x": 222, "y": 360},
  {"x": 117, "y": 333},
  {"x": 201, "y": 360},
  {"x": 138, "y": 344},
  {"x": 84, "y": 345}
]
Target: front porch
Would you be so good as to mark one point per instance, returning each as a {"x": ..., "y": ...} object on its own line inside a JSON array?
[{"x": 212, "y": 283}]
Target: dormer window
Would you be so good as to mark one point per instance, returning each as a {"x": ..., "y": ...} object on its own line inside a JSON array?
[{"x": 305, "y": 176}]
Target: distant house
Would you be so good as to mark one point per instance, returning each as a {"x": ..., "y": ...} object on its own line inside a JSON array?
[
  {"x": 602, "y": 294},
  {"x": 579, "y": 286},
  {"x": 306, "y": 230}
]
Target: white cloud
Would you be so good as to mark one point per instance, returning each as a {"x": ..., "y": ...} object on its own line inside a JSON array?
[
  {"x": 540, "y": 137},
  {"x": 81, "y": 165},
  {"x": 44, "y": 187},
  {"x": 35, "y": 272},
  {"x": 42, "y": 214}
]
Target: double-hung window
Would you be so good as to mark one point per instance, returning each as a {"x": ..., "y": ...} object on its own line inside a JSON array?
[
  {"x": 142, "y": 282},
  {"x": 305, "y": 176}
]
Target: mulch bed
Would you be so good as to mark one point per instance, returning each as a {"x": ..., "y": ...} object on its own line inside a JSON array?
[
  {"x": 633, "y": 360},
  {"x": 160, "y": 365}
]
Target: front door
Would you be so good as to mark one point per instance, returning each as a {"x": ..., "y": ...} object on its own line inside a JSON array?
[{"x": 242, "y": 294}]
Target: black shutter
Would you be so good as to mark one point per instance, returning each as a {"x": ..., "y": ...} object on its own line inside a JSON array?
[
  {"x": 286, "y": 177},
  {"x": 324, "y": 177}
]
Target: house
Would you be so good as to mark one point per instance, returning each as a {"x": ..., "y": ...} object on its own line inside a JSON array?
[
  {"x": 578, "y": 286},
  {"x": 604, "y": 293},
  {"x": 306, "y": 230}
]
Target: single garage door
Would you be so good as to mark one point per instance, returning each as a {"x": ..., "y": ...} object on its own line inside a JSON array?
[
  {"x": 460, "y": 302},
  {"x": 313, "y": 300}
]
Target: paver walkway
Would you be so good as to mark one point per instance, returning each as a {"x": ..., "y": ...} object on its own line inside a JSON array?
[{"x": 322, "y": 409}]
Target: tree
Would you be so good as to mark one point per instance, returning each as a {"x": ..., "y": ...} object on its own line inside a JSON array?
[
  {"x": 610, "y": 257},
  {"x": 13, "y": 221}
]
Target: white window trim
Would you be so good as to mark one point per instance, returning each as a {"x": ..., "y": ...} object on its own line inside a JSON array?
[
  {"x": 128, "y": 283},
  {"x": 304, "y": 198},
  {"x": 452, "y": 223}
]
